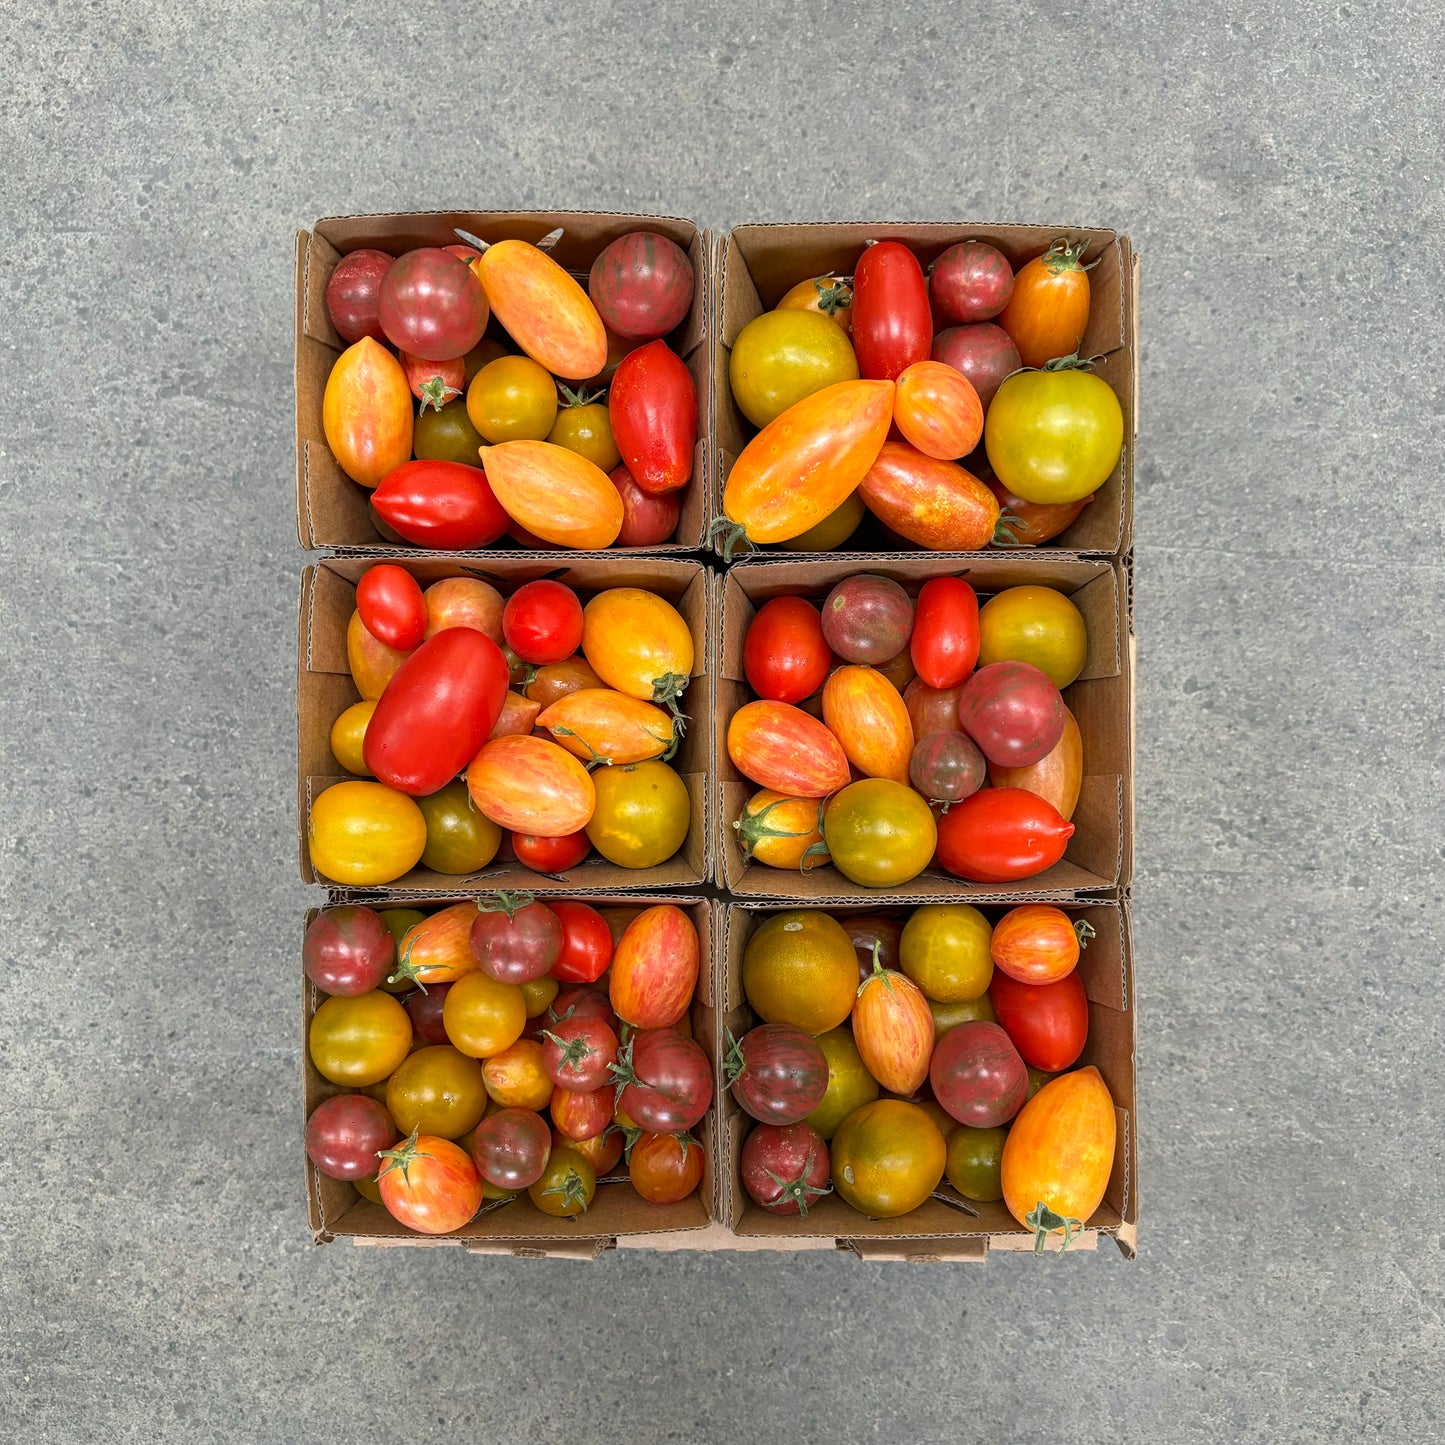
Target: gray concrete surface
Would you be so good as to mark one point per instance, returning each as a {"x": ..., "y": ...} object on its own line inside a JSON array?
[{"x": 1279, "y": 168}]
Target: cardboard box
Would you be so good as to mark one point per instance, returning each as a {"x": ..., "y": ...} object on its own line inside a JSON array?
[
  {"x": 617, "y": 1214},
  {"x": 756, "y": 265},
  {"x": 325, "y": 690},
  {"x": 1100, "y": 853},
  {"x": 947, "y": 1227},
  {"x": 333, "y": 511}
]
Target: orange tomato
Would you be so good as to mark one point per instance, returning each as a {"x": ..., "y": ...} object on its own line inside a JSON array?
[
  {"x": 778, "y": 830},
  {"x": 779, "y": 746},
  {"x": 533, "y": 786},
  {"x": 938, "y": 410},
  {"x": 515, "y": 1077},
  {"x": 654, "y": 969},
  {"x": 464, "y": 602},
  {"x": 830, "y": 295},
  {"x": 867, "y": 715},
  {"x": 555, "y": 494},
  {"x": 599, "y": 723},
  {"x": 934, "y": 503},
  {"x": 517, "y": 718},
  {"x": 372, "y": 662},
  {"x": 1059, "y": 1154},
  {"x": 483, "y": 1017},
  {"x": 893, "y": 1029},
  {"x": 638, "y": 643},
  {"x": 801, "y": 467},
  {"x": 887, "y": 1158},
  {"x": 1056, "y": 777},
  {"x": 1048, "y": 312},
  {"x": 543, "y": 309},
  {"x": 577, "y": 1116},
  {"x": 366, "y": 412},
  {"x": 602, "y": 1151},
  {"x": 1038, "y": 943},
  {"x": 439, "y": 948}
]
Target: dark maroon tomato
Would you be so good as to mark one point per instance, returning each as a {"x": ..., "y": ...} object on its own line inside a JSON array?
[
  {"x": 352, "y": 292},
  {"x": 578, "y": 1053},
  {"x": 392, "y": 608},
  {"x": 868, "y": 929},
  {"x": 784, "y": 1169},
  {"x": 447, "y": 506},
  {"x": 777, "y": 1073},
  {"x": 984, "y": 353},
  {"x": 542, "y": 622},
  {"x": 432, "y": 305},
  {"x": 348, "y": 950},
  {"x": 582, "y": 1003},
  {"x": 892, "y": 320},
  {"x": 867, "y": 619},
  {"x": 641, "y": 285},
  {"x": 424, "y": 1008},
  {"x": 664, "y": 1081},
  {"x": 945, "y": 641},
  {"x": 947, "y": 767},
  {"x": 514, "y": 938},
  {"x": 344, "y": 1135},
  {"x": 648, "y": 519},
  {"x": 978, "y": 1076},
  {"x": 511, "y": 1147},
  {"x": 551, "y": 855},
  {"x": 785, "y": 657},
  {"x": 971, "y": 281},
  {"x": 1013, "y": 712},
  {"x": 587, "y": 943}
]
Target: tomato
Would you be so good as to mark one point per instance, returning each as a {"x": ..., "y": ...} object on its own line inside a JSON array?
[
  {"x": 971, "y": 281},
  {"x": 543, "y": 622},
  {"x": 514, "y": 938},
  {"x": 665, "y": 1168},
  {"x": 518, "y": 716},
  {"x": 433, "y": 383},
  {"x": 977, "y": 1075},
  {"x": 642, "y": 816},
  {"x": 936, "y": 504},
  {"x": 1037, "y": 625},
  {"x": 642, "y": 285},
  {"x": 429, "y": 1184},
  {"x": 887, "y": 1158},
  {"x": 799, "y": 968},
  {"x": 1049, "y": 310},
  {"x": 425, "y": 1008},
  {"x": 348, "y": 950},
  {"x": 875, "y": 936},
  {"x": 931, "y": 710},
  {"x": 447, "y": 435},
  {"x": 538, "y": 993},
  {"x": 399, "y": 922},
  {"x": 777, "y": 1073},
  {"x": 945, "y": 951},
  {"x": 780, "y": 747},
  {"x": 832, "y": 296},
  {"x": 602, "y": 1151},
  {"x": 850, "y": 1085},
  {"x": 373, "y": 664},
  {"x": 937, "y": 410},
  {"x": 344, "y": 1135},
  {"x": 655, "y": 968},
  {"x": 1000, "y": 835},
  {"x": 638, "y": 643},
  {"x": 359, "y": 1040},
  {"x": 785, "y": 657},
  {"x": 1056, "y": 778},
  {"x": 804, "y": 464},
  {"x": 833, "y": 530},
  {"x": 782, "y": 356},
  {"x": 366, "y": 412},
  {"x": 892, "y": 321},
  {"x": 664, "y": 1081},
  {"x": 1059, "y": 1154},
  {"x": 578, "y": 1054},
  {"x": 438, "y": 1089},
  {"x": 431, "y": 305},
  {"x": 516, "y": 1079},
  {"x": 583, "y": 426},
  {"x": 551, "y": 855},
  {"x": 566, "y": 1186},
  {"x": 389, "y": 602},
  {"x": 652, "y": 405},
  {"x": 948, "y": 1016},
  {"x": 484, "y": 1017},
  {"x": 363, "y": 834},
  {"x": 1054, "y": 436},
  {"x": 351, "y": 295},
  {"x": 778, "y": 830},
  {"x": 600, "y": 725},
  {"x": 586, "y": 943},
  {"x": 437, "y": 948},
  {"x": 865, "y": 712},
  {"x": 1038, "y": 1078},
  {"x": 543, "y": 309},
  {"x": 1048, "y": 1022},
  {"x": 1038, "y": 943},
  {"x": 511, "y": 1147},
  {"x": 464, "y": 602},
  {"x": 946, "y": 767},
  {"x": 584, "y": 1002},
  {"x": 512, "y": 399},
  {"x": 437, "y": 711},
  {"x": 867, "y": 619},
  {"x": 1013, "y": 712},
  {"x": 531, "y": 786},
  {"x": 557, "y": 680},
  {"x": 784, "y": 1169},
  {"x": 486, "y": 351},
  {"x": 984, "y": 354},
  {"x": 880, "y": 833},
  {"x": 973, "y": 1163},
  {"x": 348, "y": 735},
  {"x": 893, "y": 1030},
  {"x": 554, "y": 493},
  {"x": 647, "y": 520},
  {"x": 1030, "y": 524},
  {"x": 577, "y": 1115}
]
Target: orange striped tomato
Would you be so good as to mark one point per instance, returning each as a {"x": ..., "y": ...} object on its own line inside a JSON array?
[
  {"x": 893, "y": 1028},
  {"x": 654, "y": 968},
  {"x": 866, "y": 713},
  {"x": 938, "y": 410},
  {"x": 778, "y": 830},
  {"x": 937, "y": 504},
  {"x": 543, "y": 309},
  {"x": 439, "y": 948},
  {"x": 779, "y": 746},
  {"x": 532, "y": 786},
  {"x": 1048, "y": 312},
  {"x": 598, "y": 724},
  {"x": 366, "y": 412},
  {"x": 555, "y": 493}
]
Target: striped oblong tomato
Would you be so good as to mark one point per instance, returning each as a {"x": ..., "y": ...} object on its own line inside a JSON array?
[
  {"x": 655, "y": 968},
  {"x": 1000, "y": 835},
  {"x": 554, "y": 493},
  {"x": 532, "y": 786},
  {"x": 866, "y": 713},
  {"x": 935, "y": 503},
  {"x": 638, "y": 643},
  {"x": 543, "y": 309},
  {"x": 366, "y": 412},
  {"x": 938, "y": 410},
  {"x": 439, "y": 948},
  {"x": 598, "y": 724},
  {"x": 652, "y": 405},
  {"x": 444, "y": 505},
  {"x": 802, "y": 466},
  {"x": 1049, "y": 310},
  {"x": 1038, "y": 943},
  {"x": 781, "y": 831},
  {"x": 781, "y": 747},
  {"x": 893, "y": 1028},
  {"x": 1056, "y": 778},
  {"x": 1059, "y": 1154}
]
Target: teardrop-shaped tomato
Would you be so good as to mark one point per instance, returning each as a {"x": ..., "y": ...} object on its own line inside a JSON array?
[
  {"x": 600, "y": 724},
  {"x": 532, "y": 786},
  {"x": 893, "y": 1028},
  {"x": 1001, "y": 834},
  {"x": 543, "y": 309},
  {"x": 779, "y": 746},
  {"x": 865, "y": 712},
  {"x": 935, "y": 503},
  {"x": 638, "y": 643},
  {"x": 366, "y": 412},
  {"x": 554, "y": 493},
  {"x": 655, "y": 968}
]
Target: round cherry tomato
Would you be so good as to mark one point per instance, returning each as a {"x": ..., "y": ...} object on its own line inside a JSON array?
[
  {"x": 1049, "y": 309},
  {"x": 345, "y": 1134},
  {"x": 971, "y": 281},
  {"x": 584, "y": 1003},
  {"x": 785, "y": 657},
  {"x": 777, "y": 1073},
  {"x": 543, "y": 622},
  {"x": 566, "y": 1186},
  {"x": 484, "y": 1017},
  {"x": 937, "y": 410},
  {"x": 464, "y": 602},
  {"x": 946, "y": 766},
  {"x": 1038, "y": 943},
  {"x": 647, "y": 520},
  {"x": 876, "y": 937},
  {"x": 850, "y": 1085},
  {"x": 515, "y": 1078},
  {"x": 431, "y": 305},
  {"x": 977, "y": 1075},
  {"x": 1000, "y": 835},
  {"x": 652, "y": 405},
  {"x": 511, "y": 1147},
  {"x": 1048, "y": 1022},
  {"x": 351, "y": 295},
  {"x": 557, "y": 680},
  {"x": 880, "y": 833},
  {"x": 933, "y": 710},
  {"x": 984, "y": 353},
  {"x": 515, "y": 938},
  {"x": 867, "y": 619},
  {"x": 974, "y": 1159},
  {"x": 459, "y": 839},
  {"x": 363, "y": 834},
  {"x": 586, "y": 943},
  {"x": 583, "y": 426},
  {"x": 782, "y": 356},
  {"x": 439, "y": 1089},
  {"x": 665, "y": 1168},
  {"x": 447, "y": 435},
  {"x": 424, "y": 1007},
  {"x": 359, "y": 1040},
  {"x": 642, "y": 814},
  {"x": 440, "y": 504},
  {"x": 551, "y": 855},
  {"x": 538, "y": 993},
  {"x": 578, "y": 1053},
  {"x": 429, "y": 1184},
  {"x": 348, "y": 737},
  {"x": 577, "y": 1115},
  {"x": 390, "y": 603},
  {"x": 945, "y": 951},
  {"x": 780, "y": 831},
  {"x": 512, "y": 399},
  {"x": 641, "y": 285},
  {"x": 665, "y": 1081},
  {"x": 784, "y": 1168},
  {"x": 830, "y": 295},
  {"x": 1037, "y": 625},
  {"x": 1013, "y": 712},
  {"x": 892, "y": 320},
  {"x": 348, "y": 950},
  {"x": 887, "y": 1158},
  {"x": 799, "y": 968},
  {"x": 531, "y": 785}
]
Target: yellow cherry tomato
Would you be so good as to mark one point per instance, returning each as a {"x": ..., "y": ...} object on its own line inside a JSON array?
[
  {"x": 365, "y": 834},
  {"x": 832, "y": 531},
  {"x": 483, "y": 1017},
  {"x": 360, "y": 1039},
  {"x": 642, "y": 814},
  {"x": 1036, "y": 625},
  {"x": 348, "y": 733},
  {"x": 945, "y": 951},
  {"x": 512, "y": 399},
  {"x": 781, "y": 357},
  {"x": 584, "y": 427}
]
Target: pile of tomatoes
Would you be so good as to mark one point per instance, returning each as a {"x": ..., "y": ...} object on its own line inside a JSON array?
[
  {"x": 506, "y": 1046},
  {"x": 471, "y": 394},
  {"x": 869, "y": 390},
  {"x": 878, "y": 746},
  {"x": 897, "y": 1051},
  {"x": 532, "y": 715}
]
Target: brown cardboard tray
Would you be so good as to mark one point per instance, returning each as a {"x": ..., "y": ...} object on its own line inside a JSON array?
[
  {"x": 325, "y": 690},
  {"x": 1100, "y": 853},
  {"x": 618, "y": 1215},
  {"x": 754, "y": 265},
  {"x": 332, "y": 511},
  {"x": 946, "y": 1227}
]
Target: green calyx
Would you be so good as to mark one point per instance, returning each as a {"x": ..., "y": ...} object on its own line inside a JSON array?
[
  {"x": 734, "y": 1063},
  {"x": 1003, "y": 537},
  {"x": 725, "y": 534},
  {"x": 406, "y": 971},
  {"x": 1044, "y": 1221},
  {"x": 436, "y": 393},
  {"x": 833, "y": 297},
  {"x": 581, "y": 396},
  {"x": 574, "y": 1051},
  {"x": 799, "y": 1190},
  {"x": 879, "y": 975},
  {"x": 668, "y": 688},
  {"x": 1066, "y": 256},
  {"x": 1072, "y": 362},
  {"x": 573, "y": 1189},
  {"x": 597, "y": 759},
  {"x": 504, "y": 902},
  {"x": 401, "y": 1156},
  {"x": 752, "y": 828}
]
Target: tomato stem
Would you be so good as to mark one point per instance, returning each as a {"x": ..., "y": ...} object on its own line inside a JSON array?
[
  {"x": 1003, "y": 537},
  {"x": 1072, "y": 362},
  {"x": 402, "y": 1156},
  {"x": 572, "y": 1188},
  {"x": 1085, "y": 931},
  {"x": 505, "y": 902},
  {"x": 574, "y": 1051},
  {"x": 834, "y": 294},
  {"x": 668, "y": 688},
  {"x": 1044, "y": 1221},
  {"x": 1063, "y": 256},
  {"x": 725, "y": 534},
  {"x": 799, "y": 1190},
  {"x": 597, "y": 759},
  {"x": 752, "y": 828},
  {"x": 435, "y": 394},
  {"x": 879, "y": 972},
  {"x": 580, "y": 396},
  {"x": 734, "y": 1063}
]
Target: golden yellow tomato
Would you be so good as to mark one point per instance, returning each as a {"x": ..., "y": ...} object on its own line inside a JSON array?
[
  {"x": 850, "y": 1085},
  {"x": 642, "y": 814},
  {"x": 512, "y": 399},
  {"x": 365, "y": 834},
  {"x": 832, "y": 531},
  {"x": 945, "y": 951},
  {"x": 586, "y": 428},
  {"x": 781, "y": 357},
  {"x": 348, "y": 733},
  {"x": 1036, "y": 625}
]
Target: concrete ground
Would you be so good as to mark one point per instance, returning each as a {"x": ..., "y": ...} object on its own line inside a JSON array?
[{"x": 1280, "y": 173}]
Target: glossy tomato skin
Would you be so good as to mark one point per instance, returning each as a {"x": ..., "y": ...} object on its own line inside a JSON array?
[
  {"x": 443, "y": 505},
  {"x": 937, "y": 504},
  {"x": 893, "y": 1029},
  {"x": 555, "y": 494},
  {"x": 515, "y": 944},
  {"x": 971, "y": 281},
  {"x": 665, "y": 1168},
  {"x": 879, "y": 832},
  {"x": 947, "y": 767},
  {"x": 578, "y": 1115},
  {"x": 359, "y": 1041},
  {"x": 530, "y": 785},
  {"x": 642, "y": 816},
  {"x": 366, "y": 412},
  {"x": 351, "y": 294},
  {"x": 430, "y": 1184},
  {"x": 1000, "y": 835},
  {"x": 483, "y": 1017},
  {"x": 867, "y": 619},
  {"x": 639, "y": 644},
  {"x": 641, "y": 285},
  {"x": 578, "y": 1053},
  {"x": 511, "y": 1147},
  {"x": 348, "y": 950},
  {"x": 974, "y": 1159},
  {"x": 586, "y": 943},
  {"x": 778, "y": 746},
  {"x": 433, "y": 383},
  {"x": 932, "y": 709},
  {"x": 542, "y": 622},
  {"x": 585, "y": 1003},
  {"x": 782, "y": 356},
  {"x": 870, "y": 930},
  {"x": 785, "y": 657},
  {"x": 1038, "y": 943},
  {"x": 778, "y": 1074},
  {"x": 655, "y": 968},
  {"x": 437, "y": 711},
  {"x": 447, "y": 435},
  {"x": 1056, "y": 778},
  {"x": 364, "y": 834},
  {"x": 779, "y": 831},
  {"x": 647, "y": 520},
  {"x": 551, "y": 855},
  {"x": 666, "y": 1081},
  {"x": 424, "y": 1007},
  {"x": 937, "y": 410},
  {"x": 1048, "y": 1022},
  {"x": 567, "y": 1184},
  {"x": 784, "y": 1168},
  {"x": 887, "y": 1158},
  {"x": 1013, "y": 712},
  {"x": 439, "y": 1089},
  {"x": 583, "y": 427},
  {"x": 601, "y": 725},
  {"x": 978, "y": 1076},
  {"x": 983, "y": 353},
  {"x": 459, "y": 839},
  {"x": 945, "y": 638},
  {"x": 557, "y": 680},
  {"x": 1048, "y": 311},
  {"x": 390, "y": 603},
  {"x": 652, "y": 404},
  {"x": 892, "y": 320},
  {"x": 865, "y": 712},
  {"x": 436, "y": 948},
  {"x": 512, "y": 399},
  {"x": 830, "y": 295},
  {"x": 543, "y": 309},
  {"x": 344, "y": 1134},
  {"x": 431, "y": 305}
]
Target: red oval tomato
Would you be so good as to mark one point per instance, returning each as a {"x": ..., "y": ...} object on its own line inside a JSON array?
[
  {"x": 665, "y": 1168},
  {"x": 390, "y": 603},
  {"x": 777, "y": 1073},
  {"x": 780, "y": 747},
  {"x": 542, "y": 622},
  {"x": 652, "y": 405},
  {"x": 665, "y": 1081},
  {"x": 429, "y": 1184},
  {"x": 551, "y": 855},
  {"x": 937, "y": 410},
  {"x": 1013, "y": 712},
  {"x": 444, "y": 505},
  {"x": 892, "y": 320},
  {"x": 586, "y": 943},
  {"x": 431, "y": 305},
  {"x": 578, "y": 1054},
  {"x": 647, "y": 520},
  {"x": 971, "y": 281},
  {"x": 351, "y": 294},
  {"x": 785, "y": 1168},
  {"x": 641, "y": 285},
  {"x": 1001, "y": 834},
  {"x": 944, "y": 644},
  {"x": 937, "y": 504},
  {"x": 1048, "y": 1022},
  {"x": 984, "y": 353},
  {"x": 785, "y": 657},
  {"x": 436, "y": 712},
  {"x": 655, "y": 968},
  {"x": 345, "y": 1134}
]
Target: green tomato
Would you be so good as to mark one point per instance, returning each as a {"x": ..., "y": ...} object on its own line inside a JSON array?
[
  {"x": 850, "y": 1085},
  {"x": 1054, "y": 436},
  {"x": 975, "y": 1157},
  {"x": 447, "y": 435},
  {"x": 460, "y": 838},
  {"x": 782, "y": 356},
  {"x": 879, "y": 833}
]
